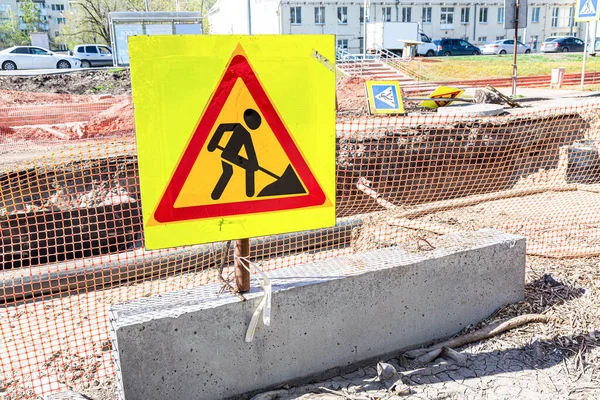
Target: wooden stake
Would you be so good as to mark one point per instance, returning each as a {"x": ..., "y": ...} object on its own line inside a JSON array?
[{"x": 241, "y": 248}]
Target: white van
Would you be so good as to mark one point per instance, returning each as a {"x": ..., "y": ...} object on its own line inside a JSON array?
[{"x": 94, "y": 55}]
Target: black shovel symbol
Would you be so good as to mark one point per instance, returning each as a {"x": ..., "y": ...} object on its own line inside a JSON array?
[{"x": 287, "y": 183}]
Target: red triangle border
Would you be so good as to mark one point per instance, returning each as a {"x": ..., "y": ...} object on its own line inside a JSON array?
[{"x": 238, "y": 67}]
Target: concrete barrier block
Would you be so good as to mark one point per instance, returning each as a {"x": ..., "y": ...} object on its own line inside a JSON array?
[{"x": 327, "y": 316}]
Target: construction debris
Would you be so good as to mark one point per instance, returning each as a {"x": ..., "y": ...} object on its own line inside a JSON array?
[{"x": 431, "y": 353}]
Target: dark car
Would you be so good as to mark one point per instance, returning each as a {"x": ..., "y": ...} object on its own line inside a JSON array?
[
  {"x": 562, "y": 44},
  {"x": 455, "y": 47}
]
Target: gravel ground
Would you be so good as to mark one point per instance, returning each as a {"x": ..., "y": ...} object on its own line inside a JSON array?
[
  {"x": 558, "y": 360},
  {"x": 114, "y": 81}
]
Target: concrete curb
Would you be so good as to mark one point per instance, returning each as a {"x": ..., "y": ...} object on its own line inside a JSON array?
[{"x": 326, "y": 315}]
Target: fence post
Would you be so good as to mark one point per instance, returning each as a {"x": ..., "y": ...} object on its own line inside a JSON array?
[{"x": 241, "y": 248}]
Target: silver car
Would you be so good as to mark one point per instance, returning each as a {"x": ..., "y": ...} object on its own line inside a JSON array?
[
  {"x": 505, "y": 46},
  {"x": 94, "y": 55},
  {"x": 31, "y": 57}
]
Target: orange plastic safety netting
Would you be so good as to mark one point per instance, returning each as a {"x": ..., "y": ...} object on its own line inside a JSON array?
[{"x": 72, "y": 237}]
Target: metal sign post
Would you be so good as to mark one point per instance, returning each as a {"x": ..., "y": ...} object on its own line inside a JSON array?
[
  {"x": 585, "y": 53},
  {"x": 241, "y": 251},
  {"x": 515, "y": 17},
  {"x": 587, "y": 10},
  {"x": 365, "y": 29},
  {"x": 514, "y": 87}
]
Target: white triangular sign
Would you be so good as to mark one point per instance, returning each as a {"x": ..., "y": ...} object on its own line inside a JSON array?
[
  {"x": 387, "y": 97},
  {"x": 588, "y": 8}
]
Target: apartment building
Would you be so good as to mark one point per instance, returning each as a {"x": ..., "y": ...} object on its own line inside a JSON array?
[
  {"x": 52, "y": 13},
  {"x": 478, "y": 21}
]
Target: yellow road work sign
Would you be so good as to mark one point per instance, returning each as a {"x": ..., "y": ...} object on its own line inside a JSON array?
[
  {"x": 442, "y": 92},
  {"x": 235, "y": 135}
]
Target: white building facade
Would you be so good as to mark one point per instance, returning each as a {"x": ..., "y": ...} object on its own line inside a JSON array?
[
  {"x": 53, "y": 14},
  {"x": 478, "y": 21}
]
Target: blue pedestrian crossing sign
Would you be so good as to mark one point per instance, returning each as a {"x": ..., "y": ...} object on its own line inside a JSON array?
[
  {"x": 587, "y": 10},
  {"x": 385, "y": 97}
]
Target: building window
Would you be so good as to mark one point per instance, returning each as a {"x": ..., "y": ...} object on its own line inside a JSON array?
[
  {"x": 426, "y": 15},
  {"x": 320, "y": 15},
  {"x": 362, "y": 14},
  {"x": 4, "y": 12},
  {"x": 57, "y": 33},
  {"x": 499, "y": 37},
  {"x": 342, "y": 44},
  {"x": 554, "y": 21},
  {"x": 386, "y": 14},
  {"x": 464, "y": 15},
  {"x": 342, "y": 15},
  {"x": 482, "y": 39},
  {"x": 500, "y": 15},
  {"x": 483, "y": 13},
  {"x": 406, "y": 14},
  {"x": 61, "y": 21},
  {"x": 447, "y": 16},
  {"x": 571, "y": 21},
  {"x": 535, "y": 14},
  {"x": 296, "y": 15},
  {"x": 58, "y": 7},
  {"x": 563, "y": 18}
]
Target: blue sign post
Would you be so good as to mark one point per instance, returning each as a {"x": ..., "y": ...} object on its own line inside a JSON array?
[{"x": 385, "y": 97}]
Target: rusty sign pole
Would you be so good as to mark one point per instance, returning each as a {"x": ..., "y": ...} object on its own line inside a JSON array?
[
  {"x": 241, "y": 248},
  {"x": 514, "y": 86}
]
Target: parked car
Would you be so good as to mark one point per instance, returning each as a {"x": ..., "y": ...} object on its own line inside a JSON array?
[
  {"x": 563, "y": 44},
  {"x": 31, "y": 57},
  {"x": 505, "y": 46},
  {"x": 596, "y": 49},
  {"x": 94, "y": 55},
  {"x": 455, "y": 47}
]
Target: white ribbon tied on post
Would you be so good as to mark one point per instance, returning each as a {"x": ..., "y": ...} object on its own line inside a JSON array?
[{"x": 264, "y": 307}]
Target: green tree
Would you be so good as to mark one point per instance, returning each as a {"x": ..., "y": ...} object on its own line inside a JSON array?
[
  {"x": 31, "y": 16},
  {"x": 88, "y": 22},
  {"x": 10, "y": 34}
]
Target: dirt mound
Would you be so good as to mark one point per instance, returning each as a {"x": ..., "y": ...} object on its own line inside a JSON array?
[
  {"x": 116, "y": 120},
  {"x": 112, "y": 81},
  {"x": 351, "y": 96},
  {"x": 10, "y": 98}
]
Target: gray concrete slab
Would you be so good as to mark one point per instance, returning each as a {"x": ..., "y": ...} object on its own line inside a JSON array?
[{"x": 326, "y": 316}]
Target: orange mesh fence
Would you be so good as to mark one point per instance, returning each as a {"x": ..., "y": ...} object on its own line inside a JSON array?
[{"x": 72, "y": 238}]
